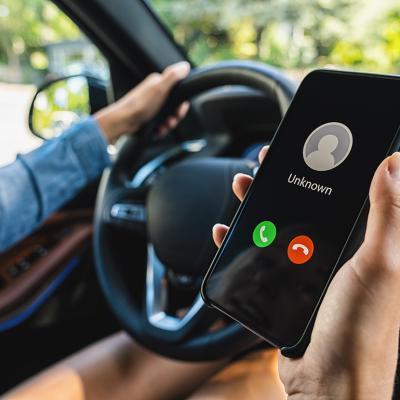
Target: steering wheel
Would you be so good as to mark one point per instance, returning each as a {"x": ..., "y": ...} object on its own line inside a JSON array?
[{"x": 174, "y": 199}]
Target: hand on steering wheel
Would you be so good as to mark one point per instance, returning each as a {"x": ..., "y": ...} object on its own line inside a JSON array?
[
  {"x": 142, "y": 103},
  {"x": 354, "y": 343}
]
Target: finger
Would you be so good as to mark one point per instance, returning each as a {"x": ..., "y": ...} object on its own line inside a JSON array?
[
  {"x": 172, "y": 122},
  {"x": 218, "y": 232},
  {"x": 263, "y": 152},
  {"x": 240, "y": 184},
  {"x": 162, "y": 130},
  {"x": 182, "y": 110},
  {"x": 174, "y": 73},
  {"x": 382, "y": 237}
]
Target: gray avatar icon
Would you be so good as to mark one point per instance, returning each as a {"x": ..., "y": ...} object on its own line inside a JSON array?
[{"x": 327, "y": 146}]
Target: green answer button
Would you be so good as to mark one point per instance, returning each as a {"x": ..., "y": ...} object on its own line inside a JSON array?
[{"x": 264, "y": 234}]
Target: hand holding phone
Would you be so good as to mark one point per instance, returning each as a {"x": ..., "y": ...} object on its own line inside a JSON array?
[{"x": 356, "y": 330}]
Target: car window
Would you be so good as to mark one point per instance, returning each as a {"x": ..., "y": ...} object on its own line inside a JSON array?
[
  {"x": 38, "y": 42},
  {"x": 297, "y": 35}
]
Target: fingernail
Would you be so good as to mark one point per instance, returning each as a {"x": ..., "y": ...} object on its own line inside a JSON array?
[
  {"x": 182, "y": 64},
  {"x": 215, "y": 227},
  {"x": 218, "y": 225},
  {"x": 182, "y": 67},
  {"x": 235, "y": 177},
  {"x": 394, "y": 165}
]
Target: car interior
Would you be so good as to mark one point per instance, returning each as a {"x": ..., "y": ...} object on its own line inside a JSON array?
[{"x": 115, "y": 257}]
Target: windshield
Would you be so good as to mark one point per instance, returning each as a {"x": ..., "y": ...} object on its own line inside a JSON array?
[{"x": 297, "y": 35}]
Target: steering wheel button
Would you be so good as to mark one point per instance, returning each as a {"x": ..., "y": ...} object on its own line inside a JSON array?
[{"x": 129, "y": 212}]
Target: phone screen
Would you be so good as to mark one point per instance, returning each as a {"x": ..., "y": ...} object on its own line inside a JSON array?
[{"x": 289, "y": 233}]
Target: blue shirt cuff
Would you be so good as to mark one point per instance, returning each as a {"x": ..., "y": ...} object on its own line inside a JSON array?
[{"x": 90, "y": 146}]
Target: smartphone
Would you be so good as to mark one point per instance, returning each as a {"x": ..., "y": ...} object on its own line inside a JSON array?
[{"x": 306, "y": 209}]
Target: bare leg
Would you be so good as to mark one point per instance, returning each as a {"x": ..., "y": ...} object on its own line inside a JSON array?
[
  {"x": 255, "y": 377},
  {"x": 116, "y": 368}
]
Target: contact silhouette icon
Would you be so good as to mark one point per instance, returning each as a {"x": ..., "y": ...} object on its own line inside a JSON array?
[{"x": 327, "y": 146}]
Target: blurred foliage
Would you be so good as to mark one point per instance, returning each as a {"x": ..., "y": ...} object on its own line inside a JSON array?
[
  {"x": 293, "y": 34},
  {"x": 59, "y": 105},
  {"x": 26, "y": 26}
]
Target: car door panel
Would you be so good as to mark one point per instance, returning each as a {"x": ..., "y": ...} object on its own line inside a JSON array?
[{"x": 27, "y": 269}]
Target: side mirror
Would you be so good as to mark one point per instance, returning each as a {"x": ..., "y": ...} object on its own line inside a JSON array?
[{"x": 62, "y": 102}]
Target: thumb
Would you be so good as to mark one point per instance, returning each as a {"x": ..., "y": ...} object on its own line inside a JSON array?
[{"x": 380, "y": 249}]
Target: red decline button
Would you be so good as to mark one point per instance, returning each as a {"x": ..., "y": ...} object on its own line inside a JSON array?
[{"x": 300, "y": 249}]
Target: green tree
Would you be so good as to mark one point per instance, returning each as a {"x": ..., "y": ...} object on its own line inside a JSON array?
[
  {"x": 25, "y": 26},
  {"x": 292, "y": 33}
]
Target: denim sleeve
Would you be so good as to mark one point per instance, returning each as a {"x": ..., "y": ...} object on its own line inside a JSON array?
[{"x": 40, "y": 182}]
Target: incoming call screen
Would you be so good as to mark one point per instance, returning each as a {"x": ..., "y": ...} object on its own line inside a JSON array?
[{"x": 289, "y": 234}]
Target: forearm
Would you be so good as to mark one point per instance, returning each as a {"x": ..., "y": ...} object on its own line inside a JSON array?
[
  {"x": 116, "y": 368},
  {"x": 370, "y": 379},
  {"x": 40, "y": 182},
  {"x": 347, "y": 390},
  {"x": 115, "y": 121}
]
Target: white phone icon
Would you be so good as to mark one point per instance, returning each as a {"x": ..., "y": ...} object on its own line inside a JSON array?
[
  {"x": 263, "y": 238},
  {"x": 302, "y": 247}
]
